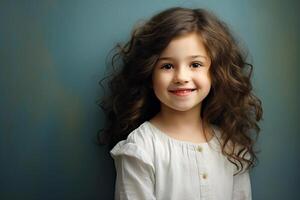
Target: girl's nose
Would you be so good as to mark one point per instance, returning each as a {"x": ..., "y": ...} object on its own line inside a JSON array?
[{"x": 181, "y": 75}]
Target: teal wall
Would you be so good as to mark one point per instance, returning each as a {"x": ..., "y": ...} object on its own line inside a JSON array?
[{"x": 52, "y": 55}]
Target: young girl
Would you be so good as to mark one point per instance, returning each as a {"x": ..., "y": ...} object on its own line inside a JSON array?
[{"x": 181, "y": 111}]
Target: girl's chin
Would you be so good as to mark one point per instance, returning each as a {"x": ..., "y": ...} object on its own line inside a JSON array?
[{"x": 183, "y": 108}]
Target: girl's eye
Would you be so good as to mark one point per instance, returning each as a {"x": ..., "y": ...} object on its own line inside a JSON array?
[
  {"x": 167, "y": 66},
  {"x": 196, "y": 65}
]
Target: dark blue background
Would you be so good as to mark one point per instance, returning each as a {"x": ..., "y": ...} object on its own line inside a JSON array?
[{"x": 52, "y": 55}]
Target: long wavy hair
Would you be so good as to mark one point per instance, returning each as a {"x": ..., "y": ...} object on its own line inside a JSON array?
[{"x": 230, "y": 104}]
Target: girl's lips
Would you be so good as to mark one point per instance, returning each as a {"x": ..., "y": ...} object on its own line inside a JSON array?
[{"x": 182, "y": 92}]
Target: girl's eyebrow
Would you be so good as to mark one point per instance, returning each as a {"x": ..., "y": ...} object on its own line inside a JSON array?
[{"x": 189, "y": 57}]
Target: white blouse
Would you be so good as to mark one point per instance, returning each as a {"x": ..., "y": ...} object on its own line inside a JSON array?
[{"x": 152, "y": 165}]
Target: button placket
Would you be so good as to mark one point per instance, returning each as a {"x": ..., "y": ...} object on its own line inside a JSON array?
[
  {"x": 203, "y": 172},
  {"x": 202, "y": 165}
]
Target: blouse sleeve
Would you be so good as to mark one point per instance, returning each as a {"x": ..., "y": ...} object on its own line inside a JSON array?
[
  {"x": 135, "y": 172},
  {"x": 242, "y": 186}
]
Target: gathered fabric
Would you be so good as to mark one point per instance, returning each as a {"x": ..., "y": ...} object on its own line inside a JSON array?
[{"x": 152, "y": 165}]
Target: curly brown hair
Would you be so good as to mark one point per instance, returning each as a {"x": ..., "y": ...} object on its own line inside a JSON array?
[{"x": 230, "y": 104}]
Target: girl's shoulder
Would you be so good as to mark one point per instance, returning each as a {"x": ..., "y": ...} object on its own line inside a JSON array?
[{"x": 139, "y": 144}]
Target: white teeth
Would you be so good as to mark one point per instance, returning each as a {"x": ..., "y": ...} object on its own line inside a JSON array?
[
  {"x": 187, "y": 90},
  {"x": 183, "y": 91}
]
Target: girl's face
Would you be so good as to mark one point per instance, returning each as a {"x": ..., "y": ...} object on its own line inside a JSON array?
[{"x": 181, "y": 76}]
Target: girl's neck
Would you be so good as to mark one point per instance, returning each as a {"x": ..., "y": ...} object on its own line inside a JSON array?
[
  {"x": 186, "y": 126},
  {"x": 179, "y": 120}
]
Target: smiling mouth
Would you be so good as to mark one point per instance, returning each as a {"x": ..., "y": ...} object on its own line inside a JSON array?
[
  {"x": 179, "y": 90},
  {"x": 182, "y": 92}
]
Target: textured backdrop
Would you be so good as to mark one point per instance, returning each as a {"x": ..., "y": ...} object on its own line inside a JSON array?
[{"x": 52, "y": 55}]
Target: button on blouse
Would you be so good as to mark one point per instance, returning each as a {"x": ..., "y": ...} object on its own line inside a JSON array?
[{"x": 152, "y": 165}]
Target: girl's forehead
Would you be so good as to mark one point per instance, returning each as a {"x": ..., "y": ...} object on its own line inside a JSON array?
[{"x": 188, "y": 45}]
